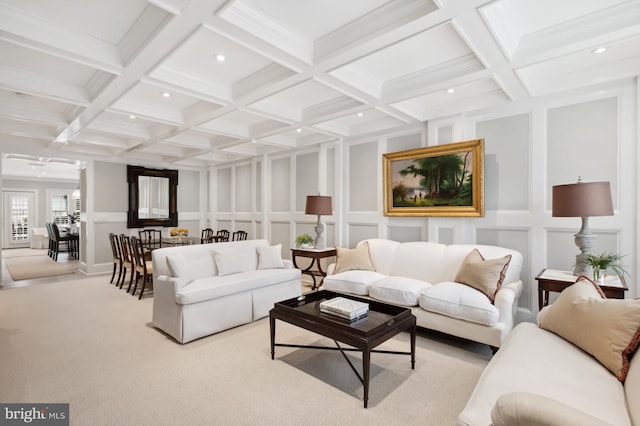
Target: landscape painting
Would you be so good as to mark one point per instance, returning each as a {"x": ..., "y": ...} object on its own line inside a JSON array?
[{"x": 443, "y": 180}]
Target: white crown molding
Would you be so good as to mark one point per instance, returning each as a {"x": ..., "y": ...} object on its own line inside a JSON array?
[
  {"x": 34, "y": 84},
  {"x": 501, "y": 25},
  {"x": 330, "y": 109},
  {"x": 431, "y": 78},
  {"x": 261, "y": 25},
  {"x": 35, "y": 115},
  {"x": 26, "y": 30},
  {"x": 190, "y": 85},
  {"x": 381, "y": 20},
  {"x": 616, "y": 22},
  {"x": 266, "y": 76},
  {"x": 358, "y": 78}
]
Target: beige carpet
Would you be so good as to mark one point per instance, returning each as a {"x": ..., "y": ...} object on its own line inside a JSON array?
[
  {"x": 21, "y": 252},
  {"x": 89, "y": 344},
  {"x": 29, "y": 267}
]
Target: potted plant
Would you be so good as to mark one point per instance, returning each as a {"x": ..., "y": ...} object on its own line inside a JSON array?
[
  {"x": 304, "y": 241},
  {"x": 604, "y": 261}
]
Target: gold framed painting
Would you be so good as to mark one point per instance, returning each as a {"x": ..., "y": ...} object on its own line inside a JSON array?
[{"x": 441, "y": 180}]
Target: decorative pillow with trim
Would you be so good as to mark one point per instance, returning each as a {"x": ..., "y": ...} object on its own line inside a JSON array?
[
  {"x": 353, "y": 259},
  {"x": 607, "y": 329},
  {"x": 270, "y": 257},
  {"x": 484, "y": 275}
]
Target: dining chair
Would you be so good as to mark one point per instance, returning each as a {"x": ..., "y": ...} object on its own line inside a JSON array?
[
  {"x": 127, "y": 259},
  {"x": 223, "y": 235},
  {"x": 117, "y": 256},
  {"x": 68, "y": 242},
  {"x": 143, "y": 266},
  {"x": 51, "y": 240},
  {"x": 206, "y": 236},
  {"x": 239, "y": 236},
  {"x": 151, "y": 238}
]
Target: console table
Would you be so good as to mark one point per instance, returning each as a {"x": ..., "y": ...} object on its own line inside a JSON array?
[
  {"x": 315, "y": 255},
  {"x": 555, "y": 280}
]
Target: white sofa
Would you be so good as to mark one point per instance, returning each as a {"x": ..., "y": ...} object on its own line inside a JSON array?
[
  {"x": 39, "y": 238},
  {"x": 421, "y": 275},
  {"x": 544, "y": 380},
  {"x": 206, "y": 288}
]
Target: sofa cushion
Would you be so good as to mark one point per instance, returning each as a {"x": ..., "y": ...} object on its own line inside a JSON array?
[
  {"x": 234, "y": 260},
  {"x": 523, "y": 408},
  {"x": 397, "y": 290},
  {"x": 270, "y": 257},
  {"x": 195, "y": 266},
  {"x": 208, "y": 288},
  {"x": 353, "y": 259},
  {"x": 353, "y": 282},
  {"x": 459, "y": 301},
  {"x": 607, "y": 329},
  {"x": 481, "y": 274}
]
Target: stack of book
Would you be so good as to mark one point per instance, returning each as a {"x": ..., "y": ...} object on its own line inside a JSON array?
[{"x": 345, "y": 308}]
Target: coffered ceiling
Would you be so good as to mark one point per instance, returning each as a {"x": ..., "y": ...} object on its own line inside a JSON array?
[{"x": 141, "y": 79}]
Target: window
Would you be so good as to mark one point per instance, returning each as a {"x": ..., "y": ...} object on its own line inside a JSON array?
[
  {"x": 60, "y": 209},
  {"x": 19, "y": 217}
]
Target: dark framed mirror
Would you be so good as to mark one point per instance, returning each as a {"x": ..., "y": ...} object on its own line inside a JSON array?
[{"x": 152, "y": 197}]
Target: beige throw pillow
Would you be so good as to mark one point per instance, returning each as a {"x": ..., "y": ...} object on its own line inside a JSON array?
[
  {"x": 607, "y": 329},
  {"x": 353, "y": 259},
  {"x": 483, "y": 275}
]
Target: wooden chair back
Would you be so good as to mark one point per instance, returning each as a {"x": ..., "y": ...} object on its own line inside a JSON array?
[
  {"x": 206, "y": 236},
  {"x": 223, "y": 234},
  {"x": 151, "y": 238},
  {"x": 239, "y": 235}
]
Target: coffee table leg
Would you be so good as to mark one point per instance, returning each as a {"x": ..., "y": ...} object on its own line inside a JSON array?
[
  {"x": 366, "y": 363},
  {"x": 272, "y": 328},
  {"x": 413, "y": 347}
]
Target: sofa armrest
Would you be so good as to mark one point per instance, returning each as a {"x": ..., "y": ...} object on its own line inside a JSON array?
[
  {"x": 506, "y": 302},
  {"x": 522, "y": 408},
  {"x": 331, "y": 268},
  {"x": 164, "y": 283},
  {"x": 288, "y": 264}
]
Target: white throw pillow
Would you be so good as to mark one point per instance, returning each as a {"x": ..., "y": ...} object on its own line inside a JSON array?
[
  {"x": 181, "y": 266},
  {"x": 270, "y": 257},
  {"x": 235, "y": 260}
]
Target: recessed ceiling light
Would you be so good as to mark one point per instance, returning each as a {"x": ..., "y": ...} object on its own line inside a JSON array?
[
  {"x": 601, "y": 49},
  {"x": 220, "y": 57},
  {"x": 253, "y": 141},
  {"x": 360, "y": 114},
  {"x": 166, "y": 94},
  {"x": 131, "y": 116},
  {"x": 298, "y": 130},
  {"x": 451, "y": 90}
]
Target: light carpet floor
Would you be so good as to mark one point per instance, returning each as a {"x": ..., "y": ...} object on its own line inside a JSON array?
[
  {"x": 29, "y": 267},
  {"x": 89, "y": 344}
]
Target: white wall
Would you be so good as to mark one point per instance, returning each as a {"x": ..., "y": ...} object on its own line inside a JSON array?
[
  {"x": 106, "y": 203},
  {"x": 529, "y": 147}
]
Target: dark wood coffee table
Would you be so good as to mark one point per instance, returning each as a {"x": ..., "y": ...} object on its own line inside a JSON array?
[{"x": 382, "y": 323}]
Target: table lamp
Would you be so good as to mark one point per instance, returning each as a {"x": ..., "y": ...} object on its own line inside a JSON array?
[
  {"x": 582, "y": 199},
  {"x": 319, "y": 205}
]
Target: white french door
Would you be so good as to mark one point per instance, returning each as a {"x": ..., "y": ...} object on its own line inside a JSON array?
[{"x": 19, "y": 208}]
